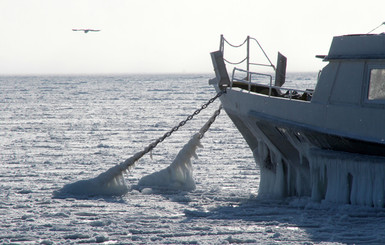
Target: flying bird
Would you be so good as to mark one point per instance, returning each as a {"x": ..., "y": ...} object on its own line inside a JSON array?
[{"x": 85, "y": 30}]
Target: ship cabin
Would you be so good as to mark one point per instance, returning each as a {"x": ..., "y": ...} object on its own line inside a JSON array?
[{"x": 355, "y": 74}]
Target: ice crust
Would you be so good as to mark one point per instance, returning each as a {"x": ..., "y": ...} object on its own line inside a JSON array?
[
  {"x": 337, "y": 177},
  {"x": 108, "y": 183},
  {"x": 116, "y": 186},
  {"x": 347, "y": 178},
  {"x": 177, "y": 176}
]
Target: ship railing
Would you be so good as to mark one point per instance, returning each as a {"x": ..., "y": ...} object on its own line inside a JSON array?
[
  {"x": 265, "y": 62},
  {"x": 263, "y": 80},
  {"x": 249, "y": 76},
  {"x": 246, "y": 42}
]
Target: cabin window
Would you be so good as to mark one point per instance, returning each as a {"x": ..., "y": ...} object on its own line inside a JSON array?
[{"x": 377, "y": 84}]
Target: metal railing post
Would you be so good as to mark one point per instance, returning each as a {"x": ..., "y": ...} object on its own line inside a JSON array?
[
  {"x": 221, "y": 44},
  {"x": 270, "y": 87},
  {"x": 248, "y": 58}
]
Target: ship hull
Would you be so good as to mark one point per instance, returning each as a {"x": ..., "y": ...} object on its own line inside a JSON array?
[{"x": 300, "y": 159}]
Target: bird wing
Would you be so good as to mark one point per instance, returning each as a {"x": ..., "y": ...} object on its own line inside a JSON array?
[{"x": 85, "y": 30}]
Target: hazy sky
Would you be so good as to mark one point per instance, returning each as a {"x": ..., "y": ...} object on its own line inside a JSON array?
[{"x": 170, "y": 36}]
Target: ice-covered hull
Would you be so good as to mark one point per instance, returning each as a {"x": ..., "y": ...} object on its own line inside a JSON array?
[{"x": 298, "y": 161}]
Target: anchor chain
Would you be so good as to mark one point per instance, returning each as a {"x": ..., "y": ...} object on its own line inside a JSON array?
[
  {"x": 182, "y": 123},
  {"x": 209, "y": 122},
  {"x": 131, "y": 161}
]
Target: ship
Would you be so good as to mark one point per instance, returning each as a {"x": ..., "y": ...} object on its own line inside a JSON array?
[{"x": 325, "y": 143}]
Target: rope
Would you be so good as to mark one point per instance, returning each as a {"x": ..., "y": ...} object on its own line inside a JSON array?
[
  {"x": 235, "y": 46},
  {"x": 235, "y": 63},
  {"x": 263, "y": 51}
]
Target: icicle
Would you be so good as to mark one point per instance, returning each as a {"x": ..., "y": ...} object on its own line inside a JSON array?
[
  {"x": 177, "y": 176},
  {"x": 348, "y": 178}
]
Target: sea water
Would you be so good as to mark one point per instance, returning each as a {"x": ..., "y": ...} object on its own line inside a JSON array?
[{"x": 57, "y": 130}]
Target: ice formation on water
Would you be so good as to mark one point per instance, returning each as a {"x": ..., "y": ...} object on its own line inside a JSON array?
[
  {"x": 177, "y": 176},
  {"x": 338, "y": 177},
  {"x": 109, "y": 183},
  {"x": 95, "y": 186}
]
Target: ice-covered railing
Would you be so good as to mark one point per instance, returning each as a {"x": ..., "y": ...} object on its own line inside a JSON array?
[{"x": 264, "y": 80}]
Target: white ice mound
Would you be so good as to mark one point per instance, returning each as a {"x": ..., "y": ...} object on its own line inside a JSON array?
[
  {"x": 179, "y": 175},
  {"x": 109, "y": 183},
  {"x": 95, "y": 187}
]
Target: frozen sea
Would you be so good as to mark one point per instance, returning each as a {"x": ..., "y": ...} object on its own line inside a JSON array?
[{"x": 56, "y": 130}]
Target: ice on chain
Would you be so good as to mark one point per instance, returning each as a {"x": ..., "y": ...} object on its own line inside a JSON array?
[
  {"x": 177, "y": 176},
  {"x": 109, "y": 183}
]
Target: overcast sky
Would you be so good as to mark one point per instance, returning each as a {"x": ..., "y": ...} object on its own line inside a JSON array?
[{"x": 170, "y": 36}]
